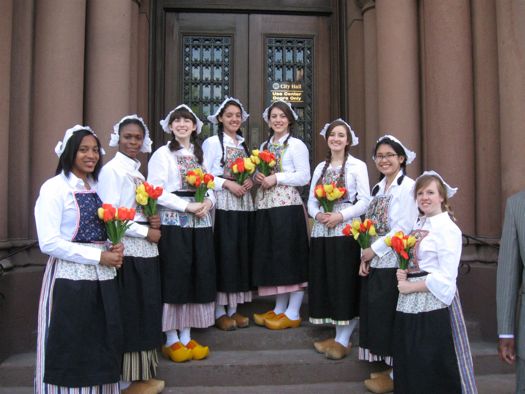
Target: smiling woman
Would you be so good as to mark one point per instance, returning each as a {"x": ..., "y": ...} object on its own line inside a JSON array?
[
  {"x": 139, "y": 279},
  {"x": 78, "y": 289}
]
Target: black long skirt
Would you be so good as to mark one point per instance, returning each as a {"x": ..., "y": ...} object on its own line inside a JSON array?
[
  {"x": 424, "y": 357},
  {"x": 280, "y": 253},
  {"x": 333, "y": 287},
  {"x": 84, "y": 339},
  {"x": 187, "y": 265},
  {"x": 233, "y": 235},
  {"x": 141, "y": 303},
  {"x": 378, "y": 310}
]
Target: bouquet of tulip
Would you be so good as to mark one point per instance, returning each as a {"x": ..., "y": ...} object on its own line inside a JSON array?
[
  {"x": 147, "y": 195},
  {"x": 402, "y": 245},
  {"x": 361, "y": 231},
  {"x": 117, "y": 221},
  {"x": 328, "y": 194},
  {"x": 201, "y": 181},
  {"x": 264, "y": 160},
  {"x": 242, "y": 168}
]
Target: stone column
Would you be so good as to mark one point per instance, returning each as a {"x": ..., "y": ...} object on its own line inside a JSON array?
[
  {"x": 448, "y": 101},
  {"x": 511, "y": 53},
  {"x": 371, "y": 110},
  {"x": 108, "y": 65},
  {"x": 20, "y": 215},
  {"x": 58, "y": 87},
  {"x": 486, "y": 118},
  {"x": 398, "y": 74},
  {"x": 6, "y": 15},
  {"x": 354, "y": 69}
]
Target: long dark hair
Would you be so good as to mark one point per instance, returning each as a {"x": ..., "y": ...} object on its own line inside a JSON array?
[
  {"x": 289, "y": 115},
  {"x": 174, "y": 144},
  {"x": 328, "y": 159},
  {"x": 400, "y": 152},
  {"x": 220, "y": 132},
  {"x": 66, "y": 161}
]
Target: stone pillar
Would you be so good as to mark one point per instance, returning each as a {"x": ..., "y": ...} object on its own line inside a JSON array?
[
  {"x": 58, "y": 87},
  {"x": 398, "y": 74},
  {"x": 20, "y": 215},
  {"x": 371, "y": 110},
  {"x": 6, "y": 15},
  {"x": 108, "y": 65},
  {"x": 486, "y": 118},
  {"x": 448, "y": 101},
  {"x": 355, "y": 84},
  {"x": 511, "y": 53}
]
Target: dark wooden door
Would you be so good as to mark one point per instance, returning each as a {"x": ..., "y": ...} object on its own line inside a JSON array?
[{"x": 208, "y": 56}]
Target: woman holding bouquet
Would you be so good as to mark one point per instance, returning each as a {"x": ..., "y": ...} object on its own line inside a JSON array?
[
  {"x": 281, "y": 240},
  {"x": 333, "y": 290},
  {"x": 139, "y": 278},
  {"x": 431, "y": 348},
  {"x": 186, "y": 246},
  {"x": 234, "y": 214},
  {"x": 78, "y": 289},
  {"x": 392, "y": 209}
]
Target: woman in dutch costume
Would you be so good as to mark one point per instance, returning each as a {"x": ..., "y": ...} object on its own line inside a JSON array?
[
  {"x": 333, "y": 287},
  {"x": 139, "y": 278},
  {"x": 234, "y": 215},
  {"x": 79, "y": 345},
  {"x": 280, "y": 255},
  {"x": 186, "y": 246},
  {"x": 392, "y": 209},
  {"x": 431, "y": 348}
]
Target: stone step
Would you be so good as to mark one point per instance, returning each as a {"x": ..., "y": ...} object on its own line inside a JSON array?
[
  {"x": 487, "y": 384},
  {"x": 261, "y": 338},
  {"x": 258, "y": 368}
]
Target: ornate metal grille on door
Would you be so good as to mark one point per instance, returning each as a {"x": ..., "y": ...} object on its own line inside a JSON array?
[
  {"x": 207, "y": 74},
  {"x": 290, "y": 60}
]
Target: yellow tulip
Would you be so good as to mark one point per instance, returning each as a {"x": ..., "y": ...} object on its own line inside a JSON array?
[
  {"x": 191, "y": 179},
  {"x": 235, "y": 170},
  {"x": 388, "y": 241},
  {"x": 328, "y": 188},
  {"x": 272, "y": 163},
  {"x": 356, "y": 224},
  {"x": 372, "y": 230},
  {"x": 255, "y": 152},
  {"x": 211, "y": 185},
  {"x": 249, "y": 165},
  {"x": 142, "y": 199},
  {"x": 100, "y": 213},
  {"x": 411, "y": 241},
  {"x": 399, "y": 234},
  {"x": 141, "y": 188},
  {"x": 356, "y": 234}
]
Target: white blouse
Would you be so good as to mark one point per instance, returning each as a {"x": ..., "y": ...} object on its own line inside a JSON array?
[
  {"x": 402, "y": 211},
  {"x": 356, "y": 184},
  {"x": 213, "y": 154},
  {"x": 163, "y": 171},
  {"x": 439, "y": 254},
  {"x": 295, "y": 163},
  {"x": 117, "y": 182},
  {"x": 56, "y": 217}
]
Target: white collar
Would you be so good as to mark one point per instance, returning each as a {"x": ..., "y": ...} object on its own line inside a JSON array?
[
  {"x": 281, "y": 140},
  {"x": 127, "y": 162}
]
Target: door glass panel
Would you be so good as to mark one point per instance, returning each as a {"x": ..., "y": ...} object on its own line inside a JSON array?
[
  {"x": 296, "y": 66},
  {"x": 206, "y": 77}
]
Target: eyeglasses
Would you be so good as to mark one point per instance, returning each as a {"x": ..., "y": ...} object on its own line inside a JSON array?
[{"x": 388, "y": 156}]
